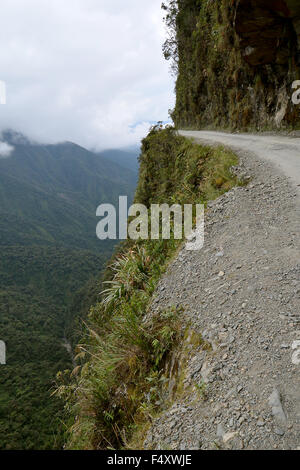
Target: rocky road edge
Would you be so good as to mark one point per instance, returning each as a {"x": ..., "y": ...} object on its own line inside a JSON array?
[{"x": 241, "y": 293}]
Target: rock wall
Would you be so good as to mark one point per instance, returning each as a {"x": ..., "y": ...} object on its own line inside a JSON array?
[
  {"x": 237, "y": 62},
  {"x": 269, "y": 31}
]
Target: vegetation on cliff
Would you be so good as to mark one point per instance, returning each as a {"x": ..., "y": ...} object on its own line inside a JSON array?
[
  {"x": 235, "y": 63},
  {"x": 118, "y": 385}
]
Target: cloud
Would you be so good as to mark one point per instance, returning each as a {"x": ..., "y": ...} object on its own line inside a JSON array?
[
  {"x": 84, "y": 70},
  {"x": 5, "y": 150}
]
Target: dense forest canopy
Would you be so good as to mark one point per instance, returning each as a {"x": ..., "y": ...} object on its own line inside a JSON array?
[{"x": 50, "y": 266}]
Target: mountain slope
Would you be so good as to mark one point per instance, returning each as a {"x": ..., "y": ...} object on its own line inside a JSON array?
[
  {"x": 123, "y": 158},
  {"x": 235, "y": 62},
  {"x": 50, "y": 265},
  {"x": 54, "y": 191},
  {"x": 37, "y": 288}
]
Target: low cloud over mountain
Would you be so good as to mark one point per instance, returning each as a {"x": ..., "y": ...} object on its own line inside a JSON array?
[{"x": 85, "y": 71}]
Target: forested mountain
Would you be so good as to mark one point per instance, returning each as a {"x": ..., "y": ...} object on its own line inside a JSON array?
[
  {"x": 127, "y": 159},
  {"x": 49, "y": 193},
  {"x": 50, "y": 259}
]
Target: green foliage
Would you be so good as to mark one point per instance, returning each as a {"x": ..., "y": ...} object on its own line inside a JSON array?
[
  {"x": 37, "y": 286},
  {"x": 119, "y": 383},
  {"x": 122, "y": 352},
  {"x": 130, "y": 274},
  {"x": 170, "y": 46},
  {"x": 50, "y": 264},
  {"x": 215, "y": 87},
  {"x": 174, "y": 170}
]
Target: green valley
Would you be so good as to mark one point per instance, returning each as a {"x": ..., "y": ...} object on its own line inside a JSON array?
[{"x": 50, "y": 264}]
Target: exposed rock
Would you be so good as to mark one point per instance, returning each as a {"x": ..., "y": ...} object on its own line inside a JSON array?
[
  {"x": 238, "y": 60},
  {"x": 267, "y": 29},
  {"x": 229, "y": 436},
  {"x": 277, "y": 409}
]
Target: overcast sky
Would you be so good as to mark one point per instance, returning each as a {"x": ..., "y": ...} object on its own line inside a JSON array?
[{"x": 87, "y": 71}]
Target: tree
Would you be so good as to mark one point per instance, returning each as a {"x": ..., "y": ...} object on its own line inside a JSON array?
[{"x": 170, "y": 46}]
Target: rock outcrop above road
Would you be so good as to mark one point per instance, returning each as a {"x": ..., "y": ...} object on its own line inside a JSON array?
[
  {"x": 269, "y": 30},
  {"x": 237, "y": 61}
]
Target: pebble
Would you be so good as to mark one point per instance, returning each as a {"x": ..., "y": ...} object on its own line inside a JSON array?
[{"x": 250, "y": 320}]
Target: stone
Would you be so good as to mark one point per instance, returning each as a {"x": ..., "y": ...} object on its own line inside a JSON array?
[
  {"x": 220, "y": 431},
  {"x": 277, "y": 409},
  {"x": 229, "y": 436}
]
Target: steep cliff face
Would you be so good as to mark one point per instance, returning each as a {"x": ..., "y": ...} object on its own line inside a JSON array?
[
  {"x": 269, "y": 31},
  {"x": 237, "y": 60}
]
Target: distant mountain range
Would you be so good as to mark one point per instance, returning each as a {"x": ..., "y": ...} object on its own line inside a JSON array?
[
  {"x": 124, "y": 158},
  {"x": 50, "y": 264},
  {"x": 49, "y": 193}
]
